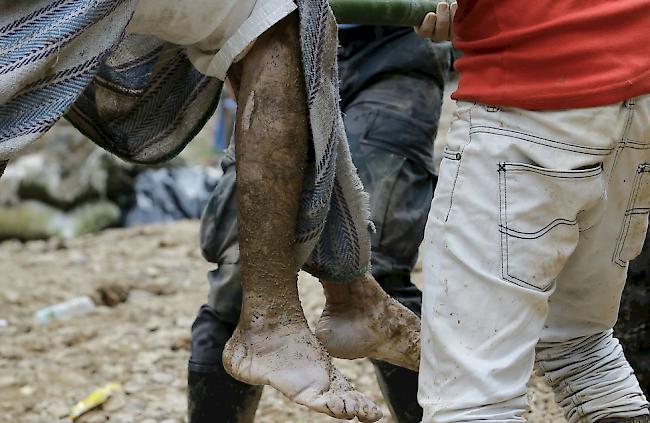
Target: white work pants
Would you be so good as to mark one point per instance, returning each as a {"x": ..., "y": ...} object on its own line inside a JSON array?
[{"x": 533, "y": 222}]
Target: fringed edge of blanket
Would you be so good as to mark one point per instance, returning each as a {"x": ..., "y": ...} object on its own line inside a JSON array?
[{"x": 340, "y": 213}]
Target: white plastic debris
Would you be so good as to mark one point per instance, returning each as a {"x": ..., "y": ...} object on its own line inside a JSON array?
[{"x": 71, "y": 308}]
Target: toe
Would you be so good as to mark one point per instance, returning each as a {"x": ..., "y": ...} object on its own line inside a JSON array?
[
  {"x": 335, "y": 407},
  {"x": 350, "y": 407},
  {"x": 368, "y": 410}
]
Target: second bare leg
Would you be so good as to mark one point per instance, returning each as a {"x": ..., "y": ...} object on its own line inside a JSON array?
[{"x": 361, "y": 320}]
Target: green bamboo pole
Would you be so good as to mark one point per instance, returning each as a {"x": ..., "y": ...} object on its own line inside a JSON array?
[{"x": 383, "y": 12}]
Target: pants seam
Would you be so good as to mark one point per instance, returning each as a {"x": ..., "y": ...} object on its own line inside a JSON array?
[
  {"x": 509, "y": 133},
  {"x": 627, "y": 219},
  {"x": 460, "y": 163},
  {"x": 505, "y": 255}
]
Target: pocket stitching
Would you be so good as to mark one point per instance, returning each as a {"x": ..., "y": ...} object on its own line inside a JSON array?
[
  {"x": 627, "y": 222},
  {"x": 627, "y": 219},
  {"x": 546, "y": 229},
  {"x": 635, "y": 145},
  {"x": 503, "y": 229},
  {"x": 535, "y": 139},
  {"x": 552, "y": 173},
  {"x": 582, "y": 229}
]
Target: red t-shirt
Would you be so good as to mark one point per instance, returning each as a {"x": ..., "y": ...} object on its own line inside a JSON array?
[{"x": 549, "y": 55}]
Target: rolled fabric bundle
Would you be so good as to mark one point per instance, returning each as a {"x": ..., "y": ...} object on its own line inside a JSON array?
[{"x": 382, "y": 12}]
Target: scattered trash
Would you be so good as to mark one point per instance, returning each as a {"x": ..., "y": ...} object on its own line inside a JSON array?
[
  {"x": 74, "y": 307},
  {"x": 94, "y": 400}
]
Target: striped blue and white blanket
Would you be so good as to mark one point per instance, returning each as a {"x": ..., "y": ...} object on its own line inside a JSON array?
[{"x": 142, "y": 99}]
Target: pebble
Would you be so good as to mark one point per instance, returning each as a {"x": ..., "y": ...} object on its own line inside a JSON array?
[
  {"x": 58, "y": 409},
  {"x": 152, "y": 272},
  {"x": 139, "y": 295},
  {"x": 94, "y": 417},
  {"x": 6, "y": 381},
  {"x": 115, "y": 403},
  {"x": 162, "y": 378},
  {"x": 184, "y": 321},
  {"x": 27, "y": 390}
]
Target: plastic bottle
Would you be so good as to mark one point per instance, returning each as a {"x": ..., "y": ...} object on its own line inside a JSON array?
[{"x": 74, "y": 307}]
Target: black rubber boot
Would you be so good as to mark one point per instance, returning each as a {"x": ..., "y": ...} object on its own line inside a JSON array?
[
  {"x": 399, "y": 387},
  {"x": 218, "y": 398},
  {"x": 213, "y": 396}
]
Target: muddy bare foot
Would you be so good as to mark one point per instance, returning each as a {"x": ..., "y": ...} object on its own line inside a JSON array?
[
  {"x": 361, "y": 320},
  {"x": 289, "y": 358}
]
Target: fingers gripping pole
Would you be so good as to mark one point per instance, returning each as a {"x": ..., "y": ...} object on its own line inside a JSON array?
[{"x": 383, "y": 12}]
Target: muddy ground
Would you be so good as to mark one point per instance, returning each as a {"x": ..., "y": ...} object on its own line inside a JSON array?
[{"x": 142, "y": 343}]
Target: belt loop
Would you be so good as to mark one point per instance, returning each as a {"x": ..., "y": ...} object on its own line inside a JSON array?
[{"x": 630, "y": 103}]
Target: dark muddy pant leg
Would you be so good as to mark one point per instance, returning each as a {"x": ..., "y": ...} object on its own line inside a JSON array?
[{"x": 400, "y": 191}]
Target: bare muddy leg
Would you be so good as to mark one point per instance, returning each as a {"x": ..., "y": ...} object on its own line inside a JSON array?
[
  {"x": 361, "y": 320},
  {"x": 272, "y": 344}
]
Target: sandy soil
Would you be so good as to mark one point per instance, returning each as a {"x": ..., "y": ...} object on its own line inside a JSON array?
[{"x": 142, "y": 343}]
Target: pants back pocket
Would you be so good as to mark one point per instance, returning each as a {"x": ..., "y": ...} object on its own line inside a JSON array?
[{"x": 538, "y": 219}]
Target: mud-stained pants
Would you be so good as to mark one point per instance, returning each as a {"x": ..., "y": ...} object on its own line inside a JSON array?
[{"x": 533, "y": 223}]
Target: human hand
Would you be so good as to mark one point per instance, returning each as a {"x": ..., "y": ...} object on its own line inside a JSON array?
[{"x": 438, "y": 26}]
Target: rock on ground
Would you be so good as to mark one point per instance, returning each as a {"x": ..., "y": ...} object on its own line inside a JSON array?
[{"x": 152, "y": 281}]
